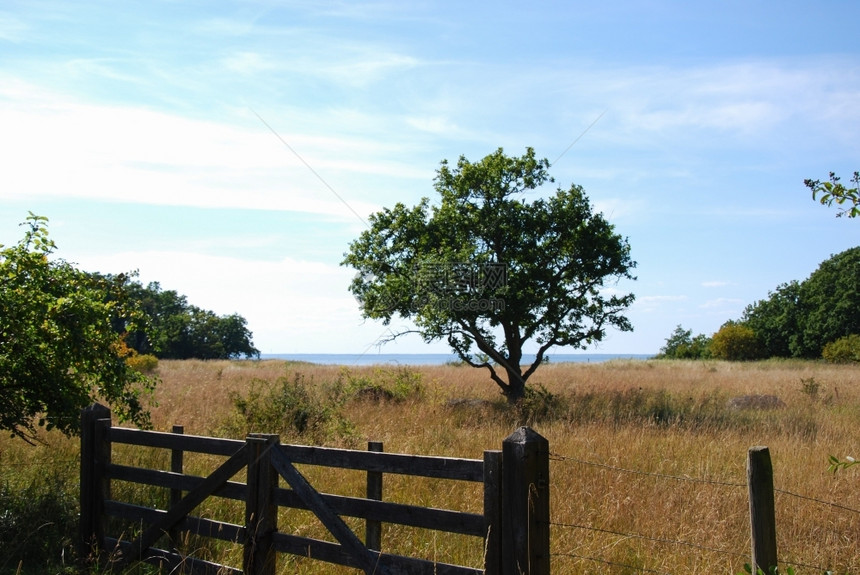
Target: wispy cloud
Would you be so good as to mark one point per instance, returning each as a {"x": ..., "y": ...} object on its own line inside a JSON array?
[{"x": 723, "y": 303}]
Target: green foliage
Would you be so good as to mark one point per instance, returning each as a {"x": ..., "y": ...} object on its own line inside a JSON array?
[
  {"x": 836, "y": 464},
  {"x": 142, "y": 362},
  {"x": 58, "y": 347},
  {"x": 776, "y": 320},
  {"x": 830, "y": 300},
  {"x": 810, "y": 388},
  {"x": 682, "y": 345},
  {"x": 539, "y": 405},
  {"x": 487, "y": 271},
  {"x": 799, "y": 319},
  {"x": 37, "y": 526},
  {"x": 834, "y": 191},
  {"x": 843, "y": 350},
  {"x": 399, "y": 384},
  {"x": 735, "y": 342},
  {"x": 292, "y": 407},
  {"x": 177, "y": 330}
]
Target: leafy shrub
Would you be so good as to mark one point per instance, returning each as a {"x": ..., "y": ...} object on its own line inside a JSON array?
[
  {"x": 682, "y": 345},
  {"x": 843, "y": 350},
  {"x": 539, "y": 404},
  {"x": 292, "y": 408},
  {"x": 735, "y": 342},
  {"x": 142, "y": 363},
  {"x": 385, "y": 384},
  {"x": 37, "y": 527}
]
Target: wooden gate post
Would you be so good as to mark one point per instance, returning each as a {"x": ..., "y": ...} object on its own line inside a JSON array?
[
  {"x": 95, "y": 455},
  {"x": 177, "y": 458},
  {"x": 762, "y": 512},
  {"x": 493, "y": 512},
  {"x": 525, "y": 496},
  {"x": 261, "y": 513},
  {"x": 373, "y": 528}
]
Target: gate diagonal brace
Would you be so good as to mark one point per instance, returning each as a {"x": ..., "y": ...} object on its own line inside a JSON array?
[
  {"x": 177, "y": 513},
  {"x": 369, "y": 560}
]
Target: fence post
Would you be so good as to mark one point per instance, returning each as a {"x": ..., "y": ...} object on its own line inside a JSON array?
[
  {"x": 261, "y": 513},
  {"x": 525, "y": 494},
  {"x": 176, "y": 466},
  {"x": 95, "y": 455},
  {"x": 372, "y": 528},
  {"x": 492, "y": 512},
  {"x": 762, "y": 509}
]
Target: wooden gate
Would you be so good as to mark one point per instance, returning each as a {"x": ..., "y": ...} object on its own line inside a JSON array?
[{"x": 514, "y": 526}]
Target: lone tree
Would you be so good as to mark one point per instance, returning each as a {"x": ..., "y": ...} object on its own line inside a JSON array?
[
  {"x": 489, "y": 272},
  {"x": 58, "y": 348}
]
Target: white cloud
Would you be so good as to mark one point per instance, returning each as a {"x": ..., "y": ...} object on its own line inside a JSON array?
[
  {"x": 722, "y": 303},
  {"x": 56, "y": 147}
]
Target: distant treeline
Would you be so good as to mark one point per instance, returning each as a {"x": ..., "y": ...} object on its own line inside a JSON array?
[
  {"x": 818, "y": 317},
  {"x": 171, "y": 328}
]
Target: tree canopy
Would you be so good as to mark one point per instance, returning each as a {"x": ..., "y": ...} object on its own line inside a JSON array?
[
  {"x": 58, "y": 346},
  {"x": 489, "y": 272},
  {"x": 176, "y": 329},
  {"x": 835, "y": 191},
  {"x": 800, "y": 318},
  {"x": 681, "y": 344}
]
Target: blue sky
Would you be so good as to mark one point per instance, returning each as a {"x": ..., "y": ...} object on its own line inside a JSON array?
[{"x": 136, "y": 128}]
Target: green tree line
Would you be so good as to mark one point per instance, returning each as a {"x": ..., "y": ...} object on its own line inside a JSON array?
[{"x": 815, "y": 318}]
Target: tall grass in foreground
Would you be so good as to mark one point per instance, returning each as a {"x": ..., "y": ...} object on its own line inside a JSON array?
[{"x": 648, "y": 467}]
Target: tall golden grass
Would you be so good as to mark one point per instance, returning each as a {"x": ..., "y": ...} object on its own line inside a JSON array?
[{"x": 648, "y": 471}]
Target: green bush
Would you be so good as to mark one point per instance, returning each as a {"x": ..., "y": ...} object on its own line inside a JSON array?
[
  {"x": 682, "y": 345},
  {"x": 142, "y": 363},
  {"x": 37, "y": 527},
  {"x": 291, "y": 407},
  {"x": 385, "y": 384},
  {"x": 735, "y": 342},
  {"x": 843, "y": 350}
]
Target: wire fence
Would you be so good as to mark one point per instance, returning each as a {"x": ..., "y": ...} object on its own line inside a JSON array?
[{"x": 560, "y": 523}]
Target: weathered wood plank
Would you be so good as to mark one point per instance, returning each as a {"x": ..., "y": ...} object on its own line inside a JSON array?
[
  {"x": 195, "y": 443},
  {"x": 403, "y": 464},
  {"x": 170, "y": 480},
  {"x": 444, "y": 520}
]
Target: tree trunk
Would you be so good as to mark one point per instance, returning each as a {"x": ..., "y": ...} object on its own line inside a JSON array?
[{"x": 516, "y": 388}]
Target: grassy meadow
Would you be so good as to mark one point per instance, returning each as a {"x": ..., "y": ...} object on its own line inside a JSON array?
[{"x": 647, "y": 473}]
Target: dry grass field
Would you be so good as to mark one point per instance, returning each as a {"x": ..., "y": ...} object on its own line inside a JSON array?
[{"x": 648, "y": 457}]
